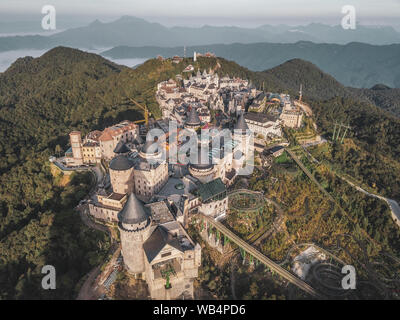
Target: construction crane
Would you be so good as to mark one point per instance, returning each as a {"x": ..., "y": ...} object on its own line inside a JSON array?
[{"x": 146, "y": 112}]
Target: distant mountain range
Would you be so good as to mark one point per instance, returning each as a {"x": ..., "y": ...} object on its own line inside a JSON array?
[
  {"x": 355, "y": 64},
  {"x": 131, "y": 31}
]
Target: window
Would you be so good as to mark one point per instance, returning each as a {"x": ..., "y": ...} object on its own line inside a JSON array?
[{"x": 166, "y": 254}]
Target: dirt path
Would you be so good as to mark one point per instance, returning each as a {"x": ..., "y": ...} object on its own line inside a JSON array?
[
  {"x": 86, "y": 292},
  {"x": 93, "y": 287}
]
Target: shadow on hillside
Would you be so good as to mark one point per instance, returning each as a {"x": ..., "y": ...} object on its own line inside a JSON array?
[
  {"x": 118, "y": 116},
  {"x": 56, "y": 237}
]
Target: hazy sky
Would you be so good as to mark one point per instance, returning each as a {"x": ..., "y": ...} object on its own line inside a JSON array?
[{"x": 217, "y": 12}]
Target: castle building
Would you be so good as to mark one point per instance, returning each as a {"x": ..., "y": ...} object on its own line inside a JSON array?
[
  {"x": 292, "y": 118},
  {"x": 265, "y": 125},
  {"x": 155, "y": 245},
  {"x": 150, "y": 171},
  {"x": 144, "y": 175},
  {"x": 157, "y": 249},
  {"x": 91, "y": 152},
  {"x": 125, "y": 131},
  {"x": 213, "y": 198},
  {"x": 107, "y": 206},
  {"x": 108, "y": 203}
]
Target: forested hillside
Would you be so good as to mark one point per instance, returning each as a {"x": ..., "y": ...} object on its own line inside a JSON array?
[{"x": 382, "y": 96}]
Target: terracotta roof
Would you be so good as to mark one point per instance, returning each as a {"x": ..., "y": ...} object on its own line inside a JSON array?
[
  {"x": 94, "y": 135},
  {"x": 116, "y": 130},
  {"x": 105, "y": 136}
]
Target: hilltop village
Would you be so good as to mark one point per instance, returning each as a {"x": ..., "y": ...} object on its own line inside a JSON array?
[{"x": 151, "y": 199}]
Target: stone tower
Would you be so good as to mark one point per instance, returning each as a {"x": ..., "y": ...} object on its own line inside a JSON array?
[
  {"x": 240, "y": 130},
  {"x": 76, "y": 146},
  {"x": 134, "y": 227},
  {"x": 243, "y": 136},
  {"x": 121, "y": 174}
]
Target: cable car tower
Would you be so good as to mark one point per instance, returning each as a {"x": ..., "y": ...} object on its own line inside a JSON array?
[{"x": 336, "y": 134}]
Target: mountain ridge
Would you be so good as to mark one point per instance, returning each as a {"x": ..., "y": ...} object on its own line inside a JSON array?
[
  {"x": 355, "y": 64},
  {"x": 133, "y": 31}
]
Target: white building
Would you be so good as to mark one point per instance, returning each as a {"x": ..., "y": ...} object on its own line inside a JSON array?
[{"x": 263, "y": 124}]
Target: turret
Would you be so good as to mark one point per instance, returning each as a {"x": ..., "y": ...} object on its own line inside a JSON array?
[
  {"x": 76, "y": 146},
  {"x": 121, "y": 174},
  {"x": 241, "y": 127},
  {"x": 192, "y": 121},
  {"x": 134, "y": 227}
]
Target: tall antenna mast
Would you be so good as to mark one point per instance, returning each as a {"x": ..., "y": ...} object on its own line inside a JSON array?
[{"x": 184, "y": 51}]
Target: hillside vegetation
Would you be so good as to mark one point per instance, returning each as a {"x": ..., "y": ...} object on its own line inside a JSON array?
[{"x": 382, "y": 96}]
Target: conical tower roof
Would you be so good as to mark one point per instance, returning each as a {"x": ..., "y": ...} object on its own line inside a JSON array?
[
  {"x": 121, "y": 148},
  {"x": 241, "y": 125},
  {"x": 133, "y": 212},
  {"x": 193, "y": 118}
]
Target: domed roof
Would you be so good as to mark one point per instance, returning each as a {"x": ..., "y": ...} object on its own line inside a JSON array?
[
  {"x": 150, "y": 147},
  {"x": 202, "y": 164},
  {"x": 193, "y": 118},
  {"x": 133, "y": 211},
  {"x": 241, "y": 125},
  {"x": 121, "y": 163}
]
